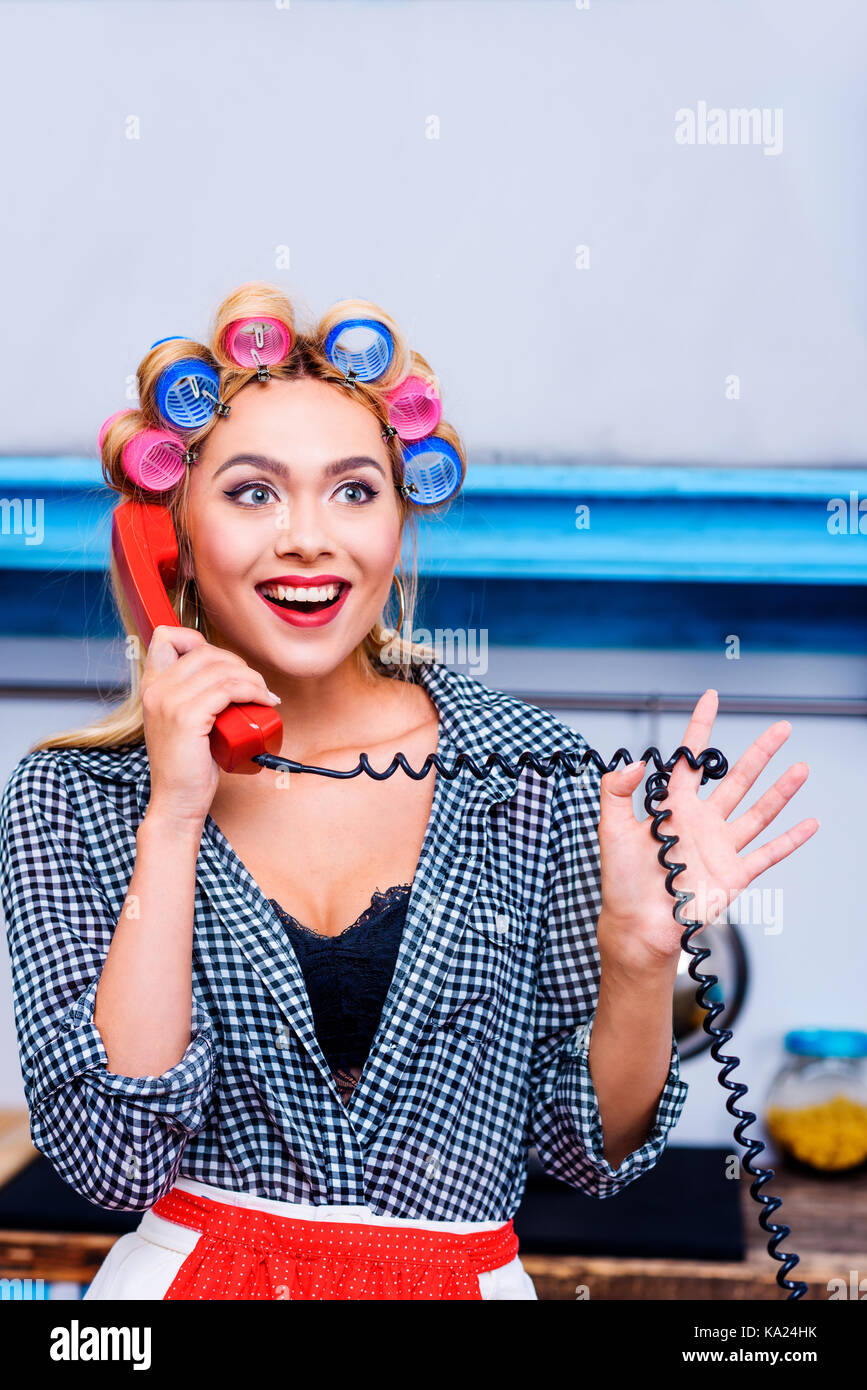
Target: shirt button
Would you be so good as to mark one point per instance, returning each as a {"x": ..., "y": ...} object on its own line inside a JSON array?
[
  {"x": 281, "y": 1037},
  {"x": 131, "y": 1167},
  {"x": 433, "y": 1169},
  {"x": 502, "y": 922}
]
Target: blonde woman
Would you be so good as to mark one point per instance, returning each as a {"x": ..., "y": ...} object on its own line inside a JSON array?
[{"x": 309, "y": 1027}]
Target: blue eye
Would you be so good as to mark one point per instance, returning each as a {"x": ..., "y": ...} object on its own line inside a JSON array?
[
  {"x": 250, "y": 487},
  {"x": 365, "y": 487}
]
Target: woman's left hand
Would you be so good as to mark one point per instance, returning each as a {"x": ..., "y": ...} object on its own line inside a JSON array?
[{"x": 636, "y": 925}]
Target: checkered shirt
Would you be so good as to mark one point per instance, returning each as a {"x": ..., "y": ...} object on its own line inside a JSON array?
[{"x": 482, "y": 1047}]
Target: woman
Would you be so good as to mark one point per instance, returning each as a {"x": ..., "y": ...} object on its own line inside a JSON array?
[{"x": 303, "y": 1108}]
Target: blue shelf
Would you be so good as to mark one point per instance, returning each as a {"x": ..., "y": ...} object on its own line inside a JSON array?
[
  {"x": 511, "y": 521},
  {"x": 675, "y": 557}
]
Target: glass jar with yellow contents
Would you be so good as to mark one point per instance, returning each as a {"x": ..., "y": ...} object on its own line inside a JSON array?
[{"x": 817, "y": 1106}]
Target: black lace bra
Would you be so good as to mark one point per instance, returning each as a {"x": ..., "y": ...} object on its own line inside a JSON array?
[{"x": 348, "y": 977}]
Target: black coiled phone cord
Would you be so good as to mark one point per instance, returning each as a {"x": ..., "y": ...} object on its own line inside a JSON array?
[{"x": 713, "y": 766}]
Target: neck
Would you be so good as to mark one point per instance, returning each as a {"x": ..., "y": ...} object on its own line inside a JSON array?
[{"x": 340, "y": 709}]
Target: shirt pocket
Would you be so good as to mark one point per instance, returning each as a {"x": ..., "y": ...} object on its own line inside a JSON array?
[
  {"x": 482, "y": 970},
  {"x": 498, "y": 918}
]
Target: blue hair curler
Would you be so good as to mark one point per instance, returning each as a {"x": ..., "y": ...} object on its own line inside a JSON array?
[
  {"x": 188, "y": 393},
  {"x": 364, "y": 347},
  {"x": 172, "y": 338},
  {"x": 432, "y": 471}
]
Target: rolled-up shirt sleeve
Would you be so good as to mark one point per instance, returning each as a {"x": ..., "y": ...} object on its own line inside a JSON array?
[
  {"x": 565, "y": 1124},
  {"x": 117, "y": 1140}
]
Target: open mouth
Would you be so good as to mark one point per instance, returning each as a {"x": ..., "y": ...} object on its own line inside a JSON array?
[{"x": 309, "y": 599}]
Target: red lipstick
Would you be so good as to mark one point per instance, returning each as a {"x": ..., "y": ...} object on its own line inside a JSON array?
[
  {"x": 298, "y": 580},
  {"x": 296, "y": 618}
]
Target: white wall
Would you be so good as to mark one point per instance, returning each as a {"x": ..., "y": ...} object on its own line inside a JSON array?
[{"x": 264, "y": 127}]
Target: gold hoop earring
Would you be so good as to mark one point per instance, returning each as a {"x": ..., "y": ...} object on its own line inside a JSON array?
[
  {"x": 388, "y": 633},
  {"x": 182, "y": 604}
]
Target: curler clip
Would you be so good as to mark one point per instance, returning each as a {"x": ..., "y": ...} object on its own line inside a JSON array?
[
  {"x": 263, "y": 371},
  {"x": 219, "y": 407}
]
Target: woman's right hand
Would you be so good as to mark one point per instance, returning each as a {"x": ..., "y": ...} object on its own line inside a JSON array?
[{"x": 186, "y": 683}]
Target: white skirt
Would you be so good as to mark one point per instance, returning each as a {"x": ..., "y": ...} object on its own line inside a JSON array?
[{"x": 143, "y": 1264}]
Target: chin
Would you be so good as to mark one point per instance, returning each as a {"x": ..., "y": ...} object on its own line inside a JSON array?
[{"x": 301, "y": 659}]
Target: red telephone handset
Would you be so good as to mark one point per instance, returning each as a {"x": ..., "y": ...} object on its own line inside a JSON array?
[{"x": 146, "y": 552}]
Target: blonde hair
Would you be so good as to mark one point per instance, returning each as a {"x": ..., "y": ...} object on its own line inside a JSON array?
[{"x": 123, "y": 723}]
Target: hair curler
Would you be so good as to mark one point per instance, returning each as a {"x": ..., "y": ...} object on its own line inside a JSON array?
[
  {"x": 432, "y": 471},
  {"x": 364, "y": 347},
  {"x": 414, "y": 407},
  {"x": 154, "y": 459},
  {"x": 188, "y": 393},
  {"x": 257, "y": 342}
]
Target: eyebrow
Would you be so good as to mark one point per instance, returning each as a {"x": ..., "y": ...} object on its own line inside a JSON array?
[{"x": 282, "y": 470}]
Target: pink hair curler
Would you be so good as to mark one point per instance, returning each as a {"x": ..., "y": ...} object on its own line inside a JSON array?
[
  {"x": 414, "y": 407},
  {"x": 155, "y": 459},
  {"x": 257, "y": 342},
  {"x": 104, "y": 427}
]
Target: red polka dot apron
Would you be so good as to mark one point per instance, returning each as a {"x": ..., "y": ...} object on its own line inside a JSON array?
[{"x": 244, "y": 1254}]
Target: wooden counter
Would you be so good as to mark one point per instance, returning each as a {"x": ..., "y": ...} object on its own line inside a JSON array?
[
  {"x": 829, "y": 1231},
  {"x": 828, "y": 1219}
]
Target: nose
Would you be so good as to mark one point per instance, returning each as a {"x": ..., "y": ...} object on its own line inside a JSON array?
[{"x": 302, "y": 529}]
